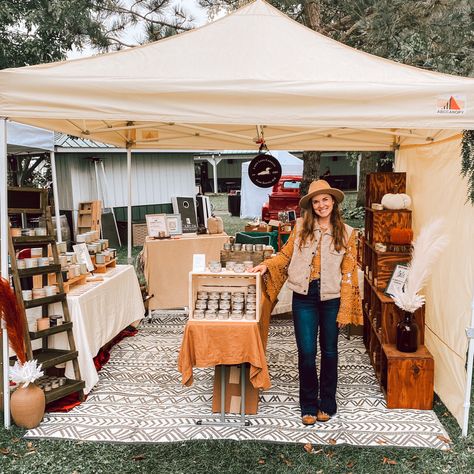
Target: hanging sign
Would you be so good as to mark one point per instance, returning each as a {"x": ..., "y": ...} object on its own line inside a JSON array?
[{"x": 264, "y": 170}]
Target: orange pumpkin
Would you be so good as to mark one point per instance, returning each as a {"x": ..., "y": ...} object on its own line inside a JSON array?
[{"x": 401, "y": 236}]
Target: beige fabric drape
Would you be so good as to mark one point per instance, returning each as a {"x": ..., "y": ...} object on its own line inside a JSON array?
[{"x": 434, "y": 183}]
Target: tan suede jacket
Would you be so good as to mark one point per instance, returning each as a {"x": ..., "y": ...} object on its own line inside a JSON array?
[{"x": 318, "y": 259}]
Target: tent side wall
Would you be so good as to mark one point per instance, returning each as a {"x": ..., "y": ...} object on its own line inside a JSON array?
[{"x": 437, "y": 189}]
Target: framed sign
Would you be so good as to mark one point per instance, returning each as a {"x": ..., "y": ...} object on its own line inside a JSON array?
[
  {"x": 173, "y": 224},
  {"x": 398, "y": 279},
  {"x": 156, "y": 225},
  {"x": 264, "y": 170},
  {"x": 83, "y": 256}
]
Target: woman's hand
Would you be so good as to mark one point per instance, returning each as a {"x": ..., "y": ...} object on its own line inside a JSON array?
[{"x": 262, "y": 268}]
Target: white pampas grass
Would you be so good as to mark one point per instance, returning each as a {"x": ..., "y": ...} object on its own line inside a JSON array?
[
  {"x": 426, "y": 248},
  {"x": 26, "y": 373}
]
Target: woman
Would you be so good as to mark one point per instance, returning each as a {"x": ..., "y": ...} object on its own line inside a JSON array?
[{"x": 319, "y": 261}]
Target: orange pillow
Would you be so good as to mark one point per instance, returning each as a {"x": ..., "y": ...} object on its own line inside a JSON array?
[{"x": 401, "y": 236}]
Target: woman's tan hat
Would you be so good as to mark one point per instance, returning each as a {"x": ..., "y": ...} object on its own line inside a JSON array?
[{"x": 321, "y": 187}]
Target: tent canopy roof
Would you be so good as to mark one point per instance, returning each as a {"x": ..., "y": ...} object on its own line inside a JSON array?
[{"x": 221, "y": 85}]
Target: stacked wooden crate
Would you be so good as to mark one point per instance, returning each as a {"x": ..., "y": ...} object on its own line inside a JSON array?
[{"x": 406, "y": 378}]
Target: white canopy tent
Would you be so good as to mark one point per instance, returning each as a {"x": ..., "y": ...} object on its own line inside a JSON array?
[
  {"x": 252, "y": 197},
  {"x": 26, "y": 139},
  {"x": 258, "y": 74}
]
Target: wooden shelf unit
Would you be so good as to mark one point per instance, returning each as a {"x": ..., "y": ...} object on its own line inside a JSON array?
[
  {"x": 36, "y": 203},
  {"x": 89, "y": 216},
  {"x": 406, "y": 379}
]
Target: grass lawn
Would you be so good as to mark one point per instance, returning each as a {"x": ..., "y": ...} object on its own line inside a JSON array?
[
  {"x": 67, "y": 457},
  {"x": 50, "y": 457}
]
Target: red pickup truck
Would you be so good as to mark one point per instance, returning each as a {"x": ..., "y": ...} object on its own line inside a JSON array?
[{"x": 285, "y": 196}]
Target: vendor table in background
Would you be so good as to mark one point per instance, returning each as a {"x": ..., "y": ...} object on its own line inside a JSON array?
[
  {"x": 98, "y": 311},
  {"x": 168, "y": 263}
]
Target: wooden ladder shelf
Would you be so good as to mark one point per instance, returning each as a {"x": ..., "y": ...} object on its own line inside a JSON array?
[{"x": 47, "y": 356}]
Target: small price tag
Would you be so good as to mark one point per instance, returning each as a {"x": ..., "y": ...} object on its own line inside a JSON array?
[{"x": 199, "y": 262}]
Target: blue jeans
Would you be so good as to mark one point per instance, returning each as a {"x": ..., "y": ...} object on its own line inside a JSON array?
[{"x": 310, "y": 314}]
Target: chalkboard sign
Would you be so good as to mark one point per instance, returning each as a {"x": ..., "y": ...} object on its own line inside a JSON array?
[{"x": 31, "y": 200}]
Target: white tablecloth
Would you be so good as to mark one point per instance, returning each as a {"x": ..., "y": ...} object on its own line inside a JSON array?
[{"x": 99, "y": 311}]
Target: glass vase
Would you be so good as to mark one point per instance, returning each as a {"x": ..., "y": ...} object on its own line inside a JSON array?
[{"x": 407, "y": 333}]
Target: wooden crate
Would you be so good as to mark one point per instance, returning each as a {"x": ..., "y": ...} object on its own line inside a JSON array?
[
  {"x": 379, "y": 223},
  {"x": 139, "y": 233},
  {"x": 407, "y": 378},
  {"x": 384, "y": 315},
  {"x": 379, "y": 266},
  {"x": 223, "y": 281},
  {"x": 244, "y": 256},
  {"x": 379, "y": 184}
]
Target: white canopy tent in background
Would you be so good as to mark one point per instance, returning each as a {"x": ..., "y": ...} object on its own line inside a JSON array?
[
  {"x": 297, "y": 89},
  {"x": 26, "y": 139},
  {"x": 252, "y": 197}
]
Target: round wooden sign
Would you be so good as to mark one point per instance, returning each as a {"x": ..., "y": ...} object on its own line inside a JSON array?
[{"x": 264, "y": 170}]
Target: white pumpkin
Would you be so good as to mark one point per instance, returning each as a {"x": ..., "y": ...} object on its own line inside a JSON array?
[{"x": 396, "y": 201}]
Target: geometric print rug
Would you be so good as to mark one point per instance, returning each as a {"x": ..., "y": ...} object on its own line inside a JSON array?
[{"x": 139, "y": 399}]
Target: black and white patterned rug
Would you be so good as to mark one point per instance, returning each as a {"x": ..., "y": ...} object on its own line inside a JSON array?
[{"x": 139, "y": 399}]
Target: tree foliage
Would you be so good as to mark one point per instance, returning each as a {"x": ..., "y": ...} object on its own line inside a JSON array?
[{"x": 38, "y": 31}]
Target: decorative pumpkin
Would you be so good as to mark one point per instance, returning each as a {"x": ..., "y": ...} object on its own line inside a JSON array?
[
  {"x": 396, "y": 201},
  {"x": 401, "y": 236}
]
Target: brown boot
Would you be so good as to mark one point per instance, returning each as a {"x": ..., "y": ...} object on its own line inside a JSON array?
[
  {"x": 323, "y": 416},
  {"x": 308, "y": 419}
]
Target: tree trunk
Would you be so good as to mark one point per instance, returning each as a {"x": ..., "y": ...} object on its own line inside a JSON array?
[
  {"x": 311, "y": 159},
  {"x": 311, "y": 169},
  {"x": 368, "y": 164},
  {"x": 312, "y": 13}
]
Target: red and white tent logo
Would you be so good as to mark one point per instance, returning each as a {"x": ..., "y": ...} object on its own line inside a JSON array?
[{"x": 451, "y": 104}]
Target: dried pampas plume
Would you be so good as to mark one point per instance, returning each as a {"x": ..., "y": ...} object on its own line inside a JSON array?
[{"x": 426, "y": 249}]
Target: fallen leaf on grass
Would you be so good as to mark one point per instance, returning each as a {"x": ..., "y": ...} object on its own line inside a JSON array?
[
  {"x": 308, "y": 447},
  {"x": 389, "y": 461},
  {"x": 15, "y": 440},
  {"x": 4, "y": 451},
  {"x": 332, "y": 441},
  {"x": 261, "y": 461},
  {"x": 138, "y": 457},
  {"x": 350, "y": 464},
  {"x": 444, "y": 439},
  {"x": 29, "y": 445}
]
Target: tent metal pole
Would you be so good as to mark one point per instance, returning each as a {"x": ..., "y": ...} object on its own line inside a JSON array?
[
  {"x": 129, "y": 206},
  {"x": 106, "y": 196},
  {"x": 4, "y": 265},
  {"x": 57, "y": 217},
  {"x": 470, "y": 357},
  {"x": 98, "y": 188}
]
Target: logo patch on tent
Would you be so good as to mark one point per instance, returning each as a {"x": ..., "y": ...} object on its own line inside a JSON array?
[{"x": 451, "y": 104}]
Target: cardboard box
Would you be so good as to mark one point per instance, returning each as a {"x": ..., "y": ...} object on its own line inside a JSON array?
[{"x": 233, "y": 391}]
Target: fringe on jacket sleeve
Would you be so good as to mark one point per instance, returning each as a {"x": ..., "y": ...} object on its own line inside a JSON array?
[{"x": 350, "y": 311}]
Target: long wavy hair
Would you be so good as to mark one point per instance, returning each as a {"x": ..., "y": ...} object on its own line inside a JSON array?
[{"x": 337, "y": 223}]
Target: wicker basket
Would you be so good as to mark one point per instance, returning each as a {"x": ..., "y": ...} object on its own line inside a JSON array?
[{"x": 139, "y": 233}]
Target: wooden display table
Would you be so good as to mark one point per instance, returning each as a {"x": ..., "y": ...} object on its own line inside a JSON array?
[{"x": 168, "y": 263}]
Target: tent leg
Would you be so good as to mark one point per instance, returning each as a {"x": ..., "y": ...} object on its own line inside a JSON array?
[
  {"x": 4, "y": 265},
  {"x": 57, "y": 217},
  {"x": 129, "y": 206},
  {"x": 470, "y": 357}
]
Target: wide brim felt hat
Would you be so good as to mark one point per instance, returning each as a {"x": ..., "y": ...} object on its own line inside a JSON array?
[{"x": 321, "y": 187}]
